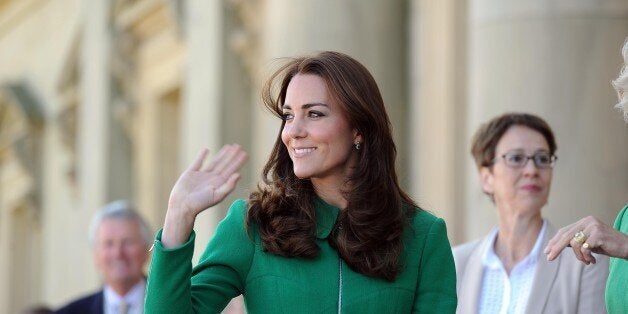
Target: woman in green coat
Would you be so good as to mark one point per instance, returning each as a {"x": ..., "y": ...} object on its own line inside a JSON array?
[{"x": 328, "y": 231}]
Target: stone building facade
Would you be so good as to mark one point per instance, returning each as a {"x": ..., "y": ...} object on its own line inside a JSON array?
[{"x": 109, "y": 99}]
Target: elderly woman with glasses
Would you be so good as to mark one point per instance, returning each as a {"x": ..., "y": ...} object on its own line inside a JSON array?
[{"x": 506, "y": 272}]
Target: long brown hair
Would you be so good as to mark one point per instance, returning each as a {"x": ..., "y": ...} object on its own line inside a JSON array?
[{"x": 370, "y": 239}]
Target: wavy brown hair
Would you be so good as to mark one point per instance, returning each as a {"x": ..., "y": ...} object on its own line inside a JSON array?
[{"x": 368, "y": 233}]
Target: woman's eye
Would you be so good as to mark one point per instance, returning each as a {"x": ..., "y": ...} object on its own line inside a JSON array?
[
  {"x": 287, "y": 116},
  {"x": 516, "y": 158},
  {"x": 315, "y": 114},
  {"x": 543, "y": 158}
]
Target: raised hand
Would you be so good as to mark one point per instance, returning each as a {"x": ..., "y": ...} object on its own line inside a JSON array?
[
  {"x": 598, "y": 238},
  {"x": 200, "y": 186}
]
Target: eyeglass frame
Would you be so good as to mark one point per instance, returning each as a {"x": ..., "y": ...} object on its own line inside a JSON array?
[{"x": 553, "y": 158}]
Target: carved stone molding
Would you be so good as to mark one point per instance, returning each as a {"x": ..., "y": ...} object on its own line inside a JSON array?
[
  {"x": 67, "y": 115},
  {"x": 244, "y": 38},
  {"x": 21, "y": 122},
  {"x": 136, "y": 23}
]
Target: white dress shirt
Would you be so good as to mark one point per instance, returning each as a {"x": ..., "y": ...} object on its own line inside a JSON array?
[
  {"x": 505, "y": 294},
  {"x": 134, "y": 299}
]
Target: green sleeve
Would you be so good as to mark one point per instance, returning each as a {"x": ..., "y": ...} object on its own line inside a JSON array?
[
  {"x": 174, "y": 287},
  {"x": 168, "y": 283},
  {"x": 436, "y": 290},
  {"x": 620, "y": 217}
]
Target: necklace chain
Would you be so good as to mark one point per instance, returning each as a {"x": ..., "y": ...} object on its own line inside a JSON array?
[{"x": 339, "y": 285}]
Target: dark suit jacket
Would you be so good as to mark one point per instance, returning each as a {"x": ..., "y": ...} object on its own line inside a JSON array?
[{"x": 91, "y": 304}]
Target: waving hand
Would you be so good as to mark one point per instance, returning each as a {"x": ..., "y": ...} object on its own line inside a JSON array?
[{"x": 200, "y": 186}]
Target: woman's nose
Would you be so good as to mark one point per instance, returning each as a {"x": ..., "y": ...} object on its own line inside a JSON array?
[
  {"x": 530, "y": 168},
  {"x": 295, "y": 128}
]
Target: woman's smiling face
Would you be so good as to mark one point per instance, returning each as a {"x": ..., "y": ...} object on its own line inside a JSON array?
[{"x": 316, "y": 133}]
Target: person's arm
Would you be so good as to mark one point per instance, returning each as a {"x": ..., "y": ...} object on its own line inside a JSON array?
[
  {"x": 174, "y": 287},
  {"x": 436, "y": 289},
  {"x": 599, "y": 237},
  {"x": 202, "y": 185},
  {"x": 222, "y": 270},
  {"x": 168, "y": 283}
]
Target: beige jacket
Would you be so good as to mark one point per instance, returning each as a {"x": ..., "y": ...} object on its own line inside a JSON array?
[{"x": 564, "y": 285}]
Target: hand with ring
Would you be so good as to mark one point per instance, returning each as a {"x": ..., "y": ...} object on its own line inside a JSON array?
[
  {"x": 586, "y": 236},
  {"x": 580, "y": 237}
]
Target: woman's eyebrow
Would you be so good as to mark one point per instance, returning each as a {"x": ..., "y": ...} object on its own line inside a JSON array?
[{"x": 306, "y": 106}]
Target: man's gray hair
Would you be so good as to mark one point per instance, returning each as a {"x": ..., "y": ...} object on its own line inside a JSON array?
[{"x": 119, "y": 209}]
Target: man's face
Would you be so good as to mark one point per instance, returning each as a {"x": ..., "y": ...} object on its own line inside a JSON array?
[{"x": 120, "y": 252}]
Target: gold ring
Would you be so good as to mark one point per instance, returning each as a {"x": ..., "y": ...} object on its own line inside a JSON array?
[
  {"x": 580, "y": 237},
  {"x": 585, "y": 245}
]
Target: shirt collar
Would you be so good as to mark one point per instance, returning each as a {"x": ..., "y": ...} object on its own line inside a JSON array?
[
  {"x": 491, "y": 260},
  {"x": 326, "y": 216},
  {"x": 133, "y": 297}
]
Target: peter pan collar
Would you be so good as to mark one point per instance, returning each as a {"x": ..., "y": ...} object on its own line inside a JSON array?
[{"x": 326, "y": 216}]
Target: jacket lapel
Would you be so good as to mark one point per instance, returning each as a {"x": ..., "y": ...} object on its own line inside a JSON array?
[
  {"x": 98, "y": 303},
  {"x": 472, "y": 281},
  {"x": 544, "y": 276}
]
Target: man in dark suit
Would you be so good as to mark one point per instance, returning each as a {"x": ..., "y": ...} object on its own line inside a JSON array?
[{"x": 120, "y": 239}]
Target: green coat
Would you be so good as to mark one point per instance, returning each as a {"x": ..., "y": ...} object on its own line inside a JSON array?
[
  {"x": 234, "y": 263},
  {"x": 616, "y": 293}
]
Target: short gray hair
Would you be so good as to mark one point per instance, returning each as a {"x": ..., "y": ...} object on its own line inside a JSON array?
[
  {"x": 119, "y": 209},
  {"x": 621, "y": 83}
]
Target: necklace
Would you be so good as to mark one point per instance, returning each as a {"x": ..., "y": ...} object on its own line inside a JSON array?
[
  {"x": 339, "y": 284},
  {"x": 339, "y": 277}
]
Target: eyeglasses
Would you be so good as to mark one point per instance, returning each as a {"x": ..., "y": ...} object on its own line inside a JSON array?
[{"x": 519, "y": 160}]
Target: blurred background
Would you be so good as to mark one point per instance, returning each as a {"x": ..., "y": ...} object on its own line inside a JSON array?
[{"x": 109, "y": 99}]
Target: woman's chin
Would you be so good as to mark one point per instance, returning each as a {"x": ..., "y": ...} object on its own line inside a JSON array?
[
  {"x": 534, "y": 204},
  {"x": 302, "y": 175}
]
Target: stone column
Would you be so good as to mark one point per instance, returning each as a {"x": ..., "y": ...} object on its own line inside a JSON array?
[
  {"x": 555, "y": 59},
  {"x": 93, "y": 137},
  {"x": 437, "y": 81},
  {"x": 94, "y": 109},
  {"x": 202, "y": 98}
]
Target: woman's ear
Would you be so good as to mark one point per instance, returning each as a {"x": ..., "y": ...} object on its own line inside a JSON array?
[
  {"x": 486, "y": 180},
  {"x": 357, "y": 137}
]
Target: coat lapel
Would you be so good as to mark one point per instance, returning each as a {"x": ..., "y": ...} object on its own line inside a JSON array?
[
  {"x": 472, "y": 281},
  {"x": 544, "y": 277},
  {"x": 326, "y": 216},
  {"x": 98, "y": 303}
]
